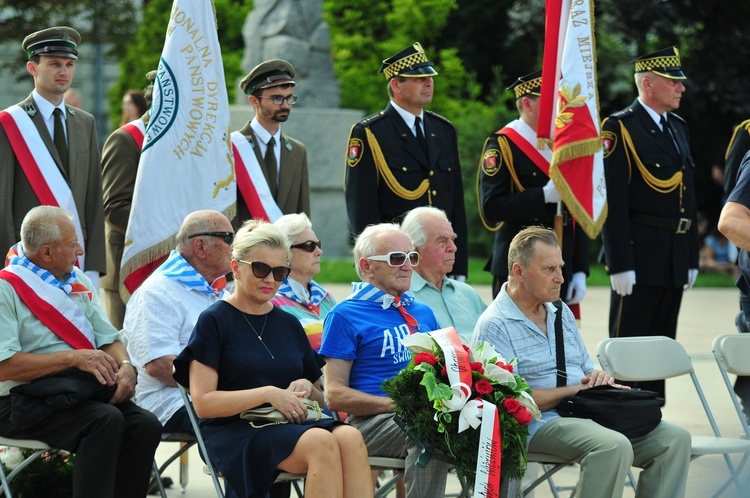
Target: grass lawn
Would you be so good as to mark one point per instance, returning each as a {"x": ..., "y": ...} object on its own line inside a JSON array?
[{"x": 340, "y": 270}]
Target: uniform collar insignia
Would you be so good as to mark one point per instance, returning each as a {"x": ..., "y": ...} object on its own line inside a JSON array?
[
  {"x": 250, "y": 140},
  {"x": 287, "y": 143},
  {"x": 71, "y": 110},
  {"x": 30, "y": 109}
]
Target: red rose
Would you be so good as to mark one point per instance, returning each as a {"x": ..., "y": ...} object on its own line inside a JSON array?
[
  {"x": 425, "y": 357},
  {"x": 505, "y": 366},
  {"x": 444, "y": 372},
  {"x": 522, "y": 416},
  {"x": 477, "y": 367},
  {"x": 483, "y": 386},
  {"x": 511, "y": 405}
]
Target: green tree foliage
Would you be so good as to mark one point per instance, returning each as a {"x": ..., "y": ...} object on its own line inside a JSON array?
[
  {"x": 144, "y": 50},
  {"x": 99, "y": 21}
]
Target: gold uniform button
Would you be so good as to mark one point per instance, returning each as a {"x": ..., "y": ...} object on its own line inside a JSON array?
[
  {"x": 403, "y": 169},
  {"x": 434, "y": 192},
  {"x": 658, "y": 165},
  {"x": 533, "y": 173},
  {"x": 682, "y": 210},
  {"x": 432, "y": 173}
]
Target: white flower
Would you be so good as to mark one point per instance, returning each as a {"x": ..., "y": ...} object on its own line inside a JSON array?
[
  {"x": 418, "y": 343},
  {"x": 11, "y": 457},
  {"x": 500, "y": 375},
  {"x": 526, "y": 400}
]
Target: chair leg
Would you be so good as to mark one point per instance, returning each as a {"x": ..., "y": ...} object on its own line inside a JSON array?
[
  {"x": 6, "y": 486},
  {"x": 184, "y": 468},
  {"x": 157, "y": 479}
]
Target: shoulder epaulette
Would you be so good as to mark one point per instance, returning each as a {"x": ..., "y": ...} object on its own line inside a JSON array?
[
  {"x": 372, "y": 118},
  {"x": 677, "y": 117},
  {"x": 745, "y": 124},
  {"x": 624, "y": 113},
  {"x": 436, "y": 115}
]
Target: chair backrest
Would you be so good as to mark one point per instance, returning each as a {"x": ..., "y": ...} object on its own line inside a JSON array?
[
  {"x": 732, "y": 352},
  {"x": 646, "y": 358},
  {"x": 643, "y": 358}
]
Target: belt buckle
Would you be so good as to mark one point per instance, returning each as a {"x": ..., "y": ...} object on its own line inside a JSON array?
[{"x": 683, "y": 225}]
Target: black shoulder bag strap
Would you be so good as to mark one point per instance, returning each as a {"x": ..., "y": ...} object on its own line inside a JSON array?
[{"x": 562, "y": 376}]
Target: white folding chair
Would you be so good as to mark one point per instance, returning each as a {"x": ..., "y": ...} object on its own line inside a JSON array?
[
  {"x": 648, "y": 358},
  {"x": 209, "y": 467},
  {"x": 732, "y": 353},
  {"x": 39, "y": 449}
]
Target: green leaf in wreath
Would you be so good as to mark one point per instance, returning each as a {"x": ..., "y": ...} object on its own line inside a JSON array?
[{"x": 435, "y": 390}]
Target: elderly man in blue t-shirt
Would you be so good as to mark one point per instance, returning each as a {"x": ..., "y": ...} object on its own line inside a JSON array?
[{"x": 362, "y": 347}]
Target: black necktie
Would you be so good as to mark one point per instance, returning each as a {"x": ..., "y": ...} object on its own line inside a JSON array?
[
  {"x": 668, "y": 131},
  {"x": 269, "y": 161},
  {"x": 60, "y": 143},
  {"x": 420, "y": 135}
]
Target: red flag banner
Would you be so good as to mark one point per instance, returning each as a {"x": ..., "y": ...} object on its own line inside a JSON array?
[{"x": 569, "y": 111}]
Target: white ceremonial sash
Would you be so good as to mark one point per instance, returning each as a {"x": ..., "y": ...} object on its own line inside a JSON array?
[
  {"x": 53, "y": 307},
  {"x": 40, "y": 168},
  {"x": 252, "y": 182},
  {"x": 525, "y": 139}
]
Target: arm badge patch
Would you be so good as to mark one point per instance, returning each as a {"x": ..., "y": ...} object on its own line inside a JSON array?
[
  {"x": 354, "y": 153},
  {"x": 491, "y": 162},
  {"x": 609, "y": 143}
]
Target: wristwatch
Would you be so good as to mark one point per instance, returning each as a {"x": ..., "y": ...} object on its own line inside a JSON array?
[{"x": 128, "y": 362}]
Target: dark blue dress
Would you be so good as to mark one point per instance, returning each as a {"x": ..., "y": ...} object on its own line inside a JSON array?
[{"x": 223, "y": 340}]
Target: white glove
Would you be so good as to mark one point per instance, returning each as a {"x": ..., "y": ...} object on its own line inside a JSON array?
[
  {"x": 94, "y": 277},
  {"x": 622, "y": 283},
  {"x": 692, "y": 275},
  {"x": 550, "y": 193},
  {"x": 576, "y": 288}
]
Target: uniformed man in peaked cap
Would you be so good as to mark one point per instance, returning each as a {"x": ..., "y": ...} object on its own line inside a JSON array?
[
  {"x": 650, "y": 237},
  {"x": 260, "y": 146},
  {"x": 64, "y": 167},
  {"x": 405, "y": 156},
  {"x": 515, "y": 191}
]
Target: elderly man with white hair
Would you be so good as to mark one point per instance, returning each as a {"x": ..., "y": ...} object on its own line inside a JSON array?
[
  {"x": 362, "y": 348},
  {"x": 455, "y": 304}
]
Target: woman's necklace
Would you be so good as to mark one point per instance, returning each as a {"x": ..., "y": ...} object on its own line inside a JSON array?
[{"x": 260, "y": 336}]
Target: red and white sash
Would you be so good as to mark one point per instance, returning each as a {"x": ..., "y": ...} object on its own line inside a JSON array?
[
  {"x": 55, "y": 309},
  {"x": 251, "y": 181},
  {"x": 38, "y": 165},
  {"x": 137, "y": 130},
  {"x": 524, "y": 137}
]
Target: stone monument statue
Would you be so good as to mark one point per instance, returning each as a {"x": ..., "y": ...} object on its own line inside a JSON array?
[{"x": 294, "y": 30}]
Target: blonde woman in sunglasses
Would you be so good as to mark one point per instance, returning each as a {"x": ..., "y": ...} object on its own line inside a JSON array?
[{"x": 245, "y": 353}]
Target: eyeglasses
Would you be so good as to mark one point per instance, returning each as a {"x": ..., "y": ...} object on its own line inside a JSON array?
[
  {"x": 261, "y": 270},
  {"x": 397, "y": 258},
  {"x": 308, "y": 245},
  {"x": 280, "y": 99},
  {"x": 227, "y": 236}
]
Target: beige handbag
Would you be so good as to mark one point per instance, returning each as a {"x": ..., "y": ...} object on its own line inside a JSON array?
[{"x": 264, "y": 416}]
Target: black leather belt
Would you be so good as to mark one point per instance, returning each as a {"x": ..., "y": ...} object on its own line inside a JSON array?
[{"x": 680, "y": 225}]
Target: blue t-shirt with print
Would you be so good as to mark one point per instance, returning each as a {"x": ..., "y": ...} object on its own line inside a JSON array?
[{"x": 370, "y": 336}]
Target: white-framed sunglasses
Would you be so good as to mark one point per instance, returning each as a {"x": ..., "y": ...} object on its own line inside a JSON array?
[{"x": 397, "y": 258}]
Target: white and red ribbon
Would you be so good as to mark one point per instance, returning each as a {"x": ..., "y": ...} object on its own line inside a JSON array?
[
  {"x": 40, "y": 168},
  {"x": 489, "y": 456},
  {"x": 457, "y": 363},
  {"x": 52, "y": 306},
  {"x": 251, "y": 181}
]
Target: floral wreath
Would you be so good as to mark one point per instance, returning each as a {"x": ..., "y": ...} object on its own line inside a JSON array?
[{"x": 438, "y": 410}]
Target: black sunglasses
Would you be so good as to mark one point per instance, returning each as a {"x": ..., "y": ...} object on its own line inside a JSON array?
[
  {"x": 308, "y": 245},
  {"x": 261, "y": 270},
  {"x": 227, "y": 236}
]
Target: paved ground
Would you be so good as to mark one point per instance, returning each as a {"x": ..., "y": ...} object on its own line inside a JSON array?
[{"x": 705, "y": 314}]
